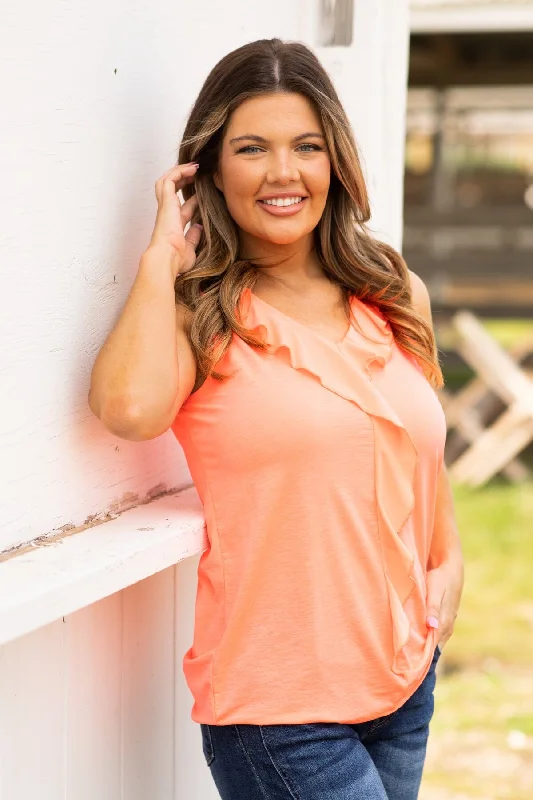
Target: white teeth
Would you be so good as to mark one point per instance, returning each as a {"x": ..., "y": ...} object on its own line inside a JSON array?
[{"x": 283, "y": 201}]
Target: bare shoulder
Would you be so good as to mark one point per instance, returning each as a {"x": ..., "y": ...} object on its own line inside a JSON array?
[{"x": 420, "y": 296}]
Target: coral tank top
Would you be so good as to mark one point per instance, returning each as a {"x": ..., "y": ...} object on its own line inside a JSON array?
[{"x": 317, "y": 467}]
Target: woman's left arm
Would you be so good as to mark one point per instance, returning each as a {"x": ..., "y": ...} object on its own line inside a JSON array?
[{"x": 445, "y": 567}]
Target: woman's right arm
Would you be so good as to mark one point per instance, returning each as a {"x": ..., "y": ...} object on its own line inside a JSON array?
[{"x": 146, "y": 368}]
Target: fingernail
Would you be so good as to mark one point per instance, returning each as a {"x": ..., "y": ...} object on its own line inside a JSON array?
[
  {"x": 432, "y": 622},
  {"x": 197, "y": 225}
]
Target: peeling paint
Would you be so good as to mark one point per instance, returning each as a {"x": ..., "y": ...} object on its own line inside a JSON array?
[{"x": 128, "y": 501}]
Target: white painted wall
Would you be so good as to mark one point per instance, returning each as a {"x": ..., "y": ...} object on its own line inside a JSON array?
[
  {"x": 95, "y": 705},
  {"x": 94, "y": 99},
  {"x": 81, "y": 148}
]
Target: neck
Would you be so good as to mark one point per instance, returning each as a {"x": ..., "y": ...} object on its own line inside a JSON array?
[{"x": 292, "y": 266}]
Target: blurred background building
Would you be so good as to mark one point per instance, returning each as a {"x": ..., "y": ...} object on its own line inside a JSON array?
[
  {"x": 468, "y": 231},
  {"x": 469, "y": 154}
]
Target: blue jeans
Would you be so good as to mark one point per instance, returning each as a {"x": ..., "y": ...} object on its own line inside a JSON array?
[{"x": 382, "y": 759}]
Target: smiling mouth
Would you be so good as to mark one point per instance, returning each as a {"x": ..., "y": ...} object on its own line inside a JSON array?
[
  {"x": 283, "y": 206},
  {"x": 282, "y": 201}
]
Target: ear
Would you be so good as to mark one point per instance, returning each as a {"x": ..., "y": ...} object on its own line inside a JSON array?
[{"x": 217, "y": 180}]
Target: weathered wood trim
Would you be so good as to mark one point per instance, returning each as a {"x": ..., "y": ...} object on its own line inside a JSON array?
[{"x": 69, "y": 573}]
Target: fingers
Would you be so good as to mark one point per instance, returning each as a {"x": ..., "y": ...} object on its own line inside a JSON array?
[
  {"x": 446, "y": 635},
  {"x": 444, "y": 622},
  {"x": 443, "y": 594},
  {"x": 188, "y": 209},
  {"x": 447, "y": 617},
  {"x": 434, "y": 598},
  {"x": 173, "y": 180},
  {"x": 194, "y": 234}
]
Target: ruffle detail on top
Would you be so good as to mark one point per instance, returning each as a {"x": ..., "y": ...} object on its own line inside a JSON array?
[{"x": 345, "y": 369}]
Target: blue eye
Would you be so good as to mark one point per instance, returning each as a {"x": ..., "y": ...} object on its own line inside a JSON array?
[
  {"x": 252, "y": 149},
  {"x": 248, "y": 148},
  {"x": 314, "y": 147}
]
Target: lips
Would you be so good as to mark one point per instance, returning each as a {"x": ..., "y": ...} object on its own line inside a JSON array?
[
  {"x": 282, "y": 210},
  {"x": 281, "y": 199}
]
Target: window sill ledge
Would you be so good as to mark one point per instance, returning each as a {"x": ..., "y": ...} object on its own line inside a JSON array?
[{"x": 60, "y": 577}]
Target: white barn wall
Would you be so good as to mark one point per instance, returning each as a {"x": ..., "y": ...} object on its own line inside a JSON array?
[
  {"x": 80, "y": 152},
  {"x": 96, "y": 705}
]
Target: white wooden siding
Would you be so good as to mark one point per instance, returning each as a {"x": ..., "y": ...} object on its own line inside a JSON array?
[{"x": 96, "y": 705}]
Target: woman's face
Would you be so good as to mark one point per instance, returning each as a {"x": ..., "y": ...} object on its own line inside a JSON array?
[{"x": 274, "y": 168}]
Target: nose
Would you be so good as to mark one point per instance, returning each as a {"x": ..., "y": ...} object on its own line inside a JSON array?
[{"x": 282, "y": 169}]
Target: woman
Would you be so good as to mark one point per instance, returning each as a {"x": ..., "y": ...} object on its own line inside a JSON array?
[{"x": 297, "y": 370}]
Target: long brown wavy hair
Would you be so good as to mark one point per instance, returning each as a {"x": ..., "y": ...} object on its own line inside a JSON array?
[{"x": 349, "y": 255}]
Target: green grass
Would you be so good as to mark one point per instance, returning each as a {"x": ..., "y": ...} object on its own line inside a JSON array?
[
  {"x": 507, "y": 331},
  {"x": 496, "y": 618}
]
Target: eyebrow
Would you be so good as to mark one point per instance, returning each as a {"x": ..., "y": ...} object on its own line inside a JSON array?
[{"x": 252, "y": 137}]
